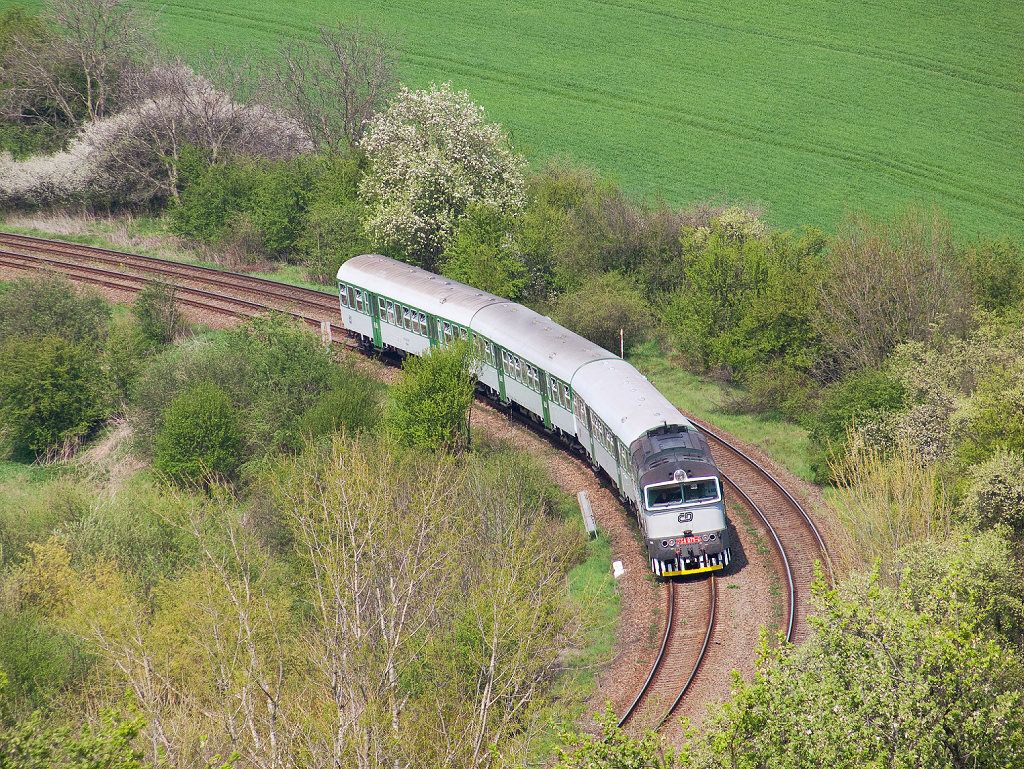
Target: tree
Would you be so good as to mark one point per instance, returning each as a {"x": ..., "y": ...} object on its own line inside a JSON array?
[
  {"x": 333, "y": 86},
  {"x": 996, "y": 492},
  {"x": 880, "y": 683},
  {"x": 602, "y": 306},
  {"x": 51, "y": 394},
  {"x": 431, "y": 154},
  {"x": 429, "y": 407},
  {"x": 614, "y": 748},
  {"x": 483, "y": 254},
  {"x": 199, "y": 440},
  {"x": 885, "y": 284},
  {"x": 80, "y": 64}
]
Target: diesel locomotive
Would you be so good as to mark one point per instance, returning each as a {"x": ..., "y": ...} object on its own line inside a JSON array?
[{"x": 655, "y": 457}]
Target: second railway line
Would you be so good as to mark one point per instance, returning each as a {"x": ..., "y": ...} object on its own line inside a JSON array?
[{"x": 688, "y": 650}]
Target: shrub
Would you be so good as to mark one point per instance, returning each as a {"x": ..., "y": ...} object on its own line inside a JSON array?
[
  {"x": 51, "y": 306},
  {"x": 995, "y": 495},
  {"x": 993, "y": 417},
  {"x": 483, "y": 254},
  {"x": 854, "y": 401},
  {"x": 429, "y": 405},
  {"x": 431, "y": 154},
  {"x": 332, "y": 233},
  {"x": 352, "y": 403},
  {"x": 125, "y": 355},
  {"x": 159, "y": 320},
  {"x": 51, "y": 393},
  {"x": 602, "y": 306},
  {"x": 200, "y": 439},
  {"x": 997, "y": 270},
  {"x": 38, "y": 660}
]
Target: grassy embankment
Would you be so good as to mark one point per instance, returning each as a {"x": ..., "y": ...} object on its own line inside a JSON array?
[{"x": 811, "y": 109}]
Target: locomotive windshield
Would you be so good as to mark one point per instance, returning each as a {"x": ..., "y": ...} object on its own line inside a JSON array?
[{"x": 692, "y": 491}]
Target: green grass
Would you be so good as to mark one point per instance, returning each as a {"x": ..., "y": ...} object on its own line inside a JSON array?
[
  {"x": 811, "y": 109},
  {"x": 784, "y": 441}
]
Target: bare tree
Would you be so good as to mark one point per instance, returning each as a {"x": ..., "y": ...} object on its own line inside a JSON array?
[
  {"x": 79, "y": 63},
  {"x": 336, "y": 83}
]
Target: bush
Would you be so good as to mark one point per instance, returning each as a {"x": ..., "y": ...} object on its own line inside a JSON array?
[
  {"x": 429, "y": 406},
  {"x": 51, "y": 306},
  {"x": 51, "y": 394},
  {"x": 483, "y": 254},
  {"x": 997, "y": 270},
  {"x": 332, "y": 233},
  {"x": 39, "y": 660},
  {"x": 352, "y": 403},
  {"x": 859, "y": 398},
  {"x": 992, "y": 419},
  {"x": 159, "y": 320},
  {"x": 602, "y": 306},
  {"x": 200, "y": 439},
  {"x": 126, "y": 352},
  {"x": 995, "y": 496}
]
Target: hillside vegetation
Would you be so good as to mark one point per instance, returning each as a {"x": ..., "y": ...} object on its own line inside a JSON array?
[{"x": 811, "y": 109}]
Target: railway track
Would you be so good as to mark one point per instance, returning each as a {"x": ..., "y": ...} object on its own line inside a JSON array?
[{"x": 687, "y": 648}]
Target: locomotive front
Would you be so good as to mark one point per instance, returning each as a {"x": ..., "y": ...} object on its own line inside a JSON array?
[{"x": 682, "y": 507}]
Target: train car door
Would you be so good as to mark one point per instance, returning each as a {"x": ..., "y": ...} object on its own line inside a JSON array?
[
  {"x": 545, "y": 391},
  {"x": 374, "y": 309},
  {"x": 499, "y": 363}
]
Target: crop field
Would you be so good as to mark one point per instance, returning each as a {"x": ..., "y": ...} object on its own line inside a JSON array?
[{"x": 810, "y": 109}]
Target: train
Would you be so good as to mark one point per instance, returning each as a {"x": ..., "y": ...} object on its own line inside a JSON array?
[{"x": 657, "y": 460}]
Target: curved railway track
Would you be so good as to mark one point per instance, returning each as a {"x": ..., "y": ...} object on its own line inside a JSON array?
[{"x": 686, "y": 649}]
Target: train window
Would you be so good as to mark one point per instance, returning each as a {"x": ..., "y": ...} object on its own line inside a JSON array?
[
  {"x": 423, "y": 324},
  {"x": 463, "y": 333},
  {"x": 344, "y": 296},
  {"x": 447, "y": 332},
  {"x": 519, "y": 369},
  {"x": 506, "y": 363},
  {"x": 382, "y": 308},
  {"x": 392, "y": 314},
  {"x": 359, "y": 301},
  {"x": 489, "y": 353},
  {"x": 554, "y": 390},
  {"x": 567, "y": 399},
  {"x": 702, "y": 490},
  {"x": 407, "y": 319}
]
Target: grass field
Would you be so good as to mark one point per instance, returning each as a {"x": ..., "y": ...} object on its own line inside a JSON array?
[{"x": 811, "y": 109}]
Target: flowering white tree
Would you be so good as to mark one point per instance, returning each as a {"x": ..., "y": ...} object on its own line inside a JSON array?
[{"x": 431, "y": 154}]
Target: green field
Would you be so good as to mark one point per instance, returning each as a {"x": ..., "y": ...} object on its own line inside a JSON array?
[{"x": 812, "y": 109}]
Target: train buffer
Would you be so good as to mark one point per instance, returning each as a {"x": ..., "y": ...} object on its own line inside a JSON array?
[{"x": 588, "y": 514}]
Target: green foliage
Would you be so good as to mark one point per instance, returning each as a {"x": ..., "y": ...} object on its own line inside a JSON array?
[
  {"x": 126, "y": 352},
  {"x": 482, "y": 254},
  {"x": 995, "y": 495},
  {"x": 332, "y": 233},
  {"x": 51, "y": 393},
  {"x": 429, "y": 405},
  {"x": 50, "y": 306},
  {"x": 39, "y": 660},
  {"x": 32, "y": 507},
  {"x": 615, "y": 748},
  {"x": 747, "y": 301},
  {"x": 877, "y": 660},
  {"x": 279, "y": 379},
  {"x": 38, "y": 743},
  {"x": 865, "y": 395},
  {"x": 604, "y": 305},
  {"x": 997, "y": 270},
  {"x": 200, "y": 439},
  {"x": 268, "y": 195},
  {"x": 159, "y": 320},
  {"x": 993, "y": 418}
]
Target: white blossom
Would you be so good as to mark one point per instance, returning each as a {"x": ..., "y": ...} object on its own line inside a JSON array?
[{"x": 431, "y": 154}]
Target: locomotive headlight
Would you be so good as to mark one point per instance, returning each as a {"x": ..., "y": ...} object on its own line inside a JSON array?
[
  {"x": 705, "y": 537},
  {"x": 671, "y": 543},
  {"x": 664, "y": 543},
  {"x": 711, "y": 537}
]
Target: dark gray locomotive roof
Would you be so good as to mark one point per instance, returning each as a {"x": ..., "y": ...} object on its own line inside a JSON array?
[
  {"x": 627, "y": 402},
  {"x": 660, "y": 453}
]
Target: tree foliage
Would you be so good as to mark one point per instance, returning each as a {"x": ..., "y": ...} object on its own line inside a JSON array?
[
  {"x": 602, "y": 307},
  {"x": 200, "y": 439},
  {"x": 483, "y": 254},
  {"x": 51, "y": 393},
  {"x": 431, "y": 154},
  {"x": 429, "y": 406},
  {"x": 51, "y": 306}
]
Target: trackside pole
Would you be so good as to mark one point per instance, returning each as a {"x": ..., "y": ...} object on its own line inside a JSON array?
[
  {"x": 588, "y": 514},
  {"x": 326, "y": 333}
]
